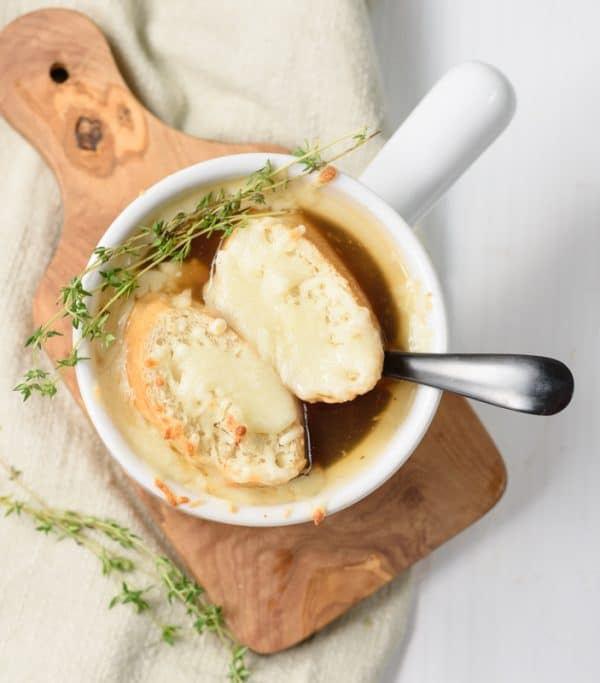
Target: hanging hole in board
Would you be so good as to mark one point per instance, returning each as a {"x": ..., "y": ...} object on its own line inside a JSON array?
[{"x": 58, "y": 73}]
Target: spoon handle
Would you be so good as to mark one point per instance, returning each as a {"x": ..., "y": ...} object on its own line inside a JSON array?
[{"x": 529, "y": 384}]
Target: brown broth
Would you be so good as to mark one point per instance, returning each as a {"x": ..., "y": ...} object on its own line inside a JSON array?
[{"x": 365, "y": 269}]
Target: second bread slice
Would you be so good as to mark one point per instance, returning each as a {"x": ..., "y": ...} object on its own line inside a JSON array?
[{"x": 283, "y": 288}]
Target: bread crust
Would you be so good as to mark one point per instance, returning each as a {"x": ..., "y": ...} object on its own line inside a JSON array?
[
  {"x": 329, "y": 253},
  {"x": 145, "y": 311}
]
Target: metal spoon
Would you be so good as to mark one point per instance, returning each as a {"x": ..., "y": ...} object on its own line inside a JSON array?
[{"x": 529, "y": 384}]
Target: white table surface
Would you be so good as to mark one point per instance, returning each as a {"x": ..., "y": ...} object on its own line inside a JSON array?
[{"x": 517, "y": 243}]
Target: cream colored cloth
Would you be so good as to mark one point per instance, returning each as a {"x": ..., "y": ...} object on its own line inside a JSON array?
[{"x": 270, "y": 70}]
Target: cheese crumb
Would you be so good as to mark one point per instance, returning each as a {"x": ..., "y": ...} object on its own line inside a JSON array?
[
  {"x": 183, "y": 299},
  {"x": 217, "y": 326},
  {"x": 299, "y": 230},
  {"x": 326, "y": 175},
  {"x": 172, "y": 499},
  {"x": 291, "y": 435},
  {"x": 318, "y": 515}
]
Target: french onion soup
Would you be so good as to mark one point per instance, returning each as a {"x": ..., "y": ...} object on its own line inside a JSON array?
[{"x": 221, "y": 360}]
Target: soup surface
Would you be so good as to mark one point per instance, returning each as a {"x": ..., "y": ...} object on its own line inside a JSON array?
[{"x": 344, "y": 436}]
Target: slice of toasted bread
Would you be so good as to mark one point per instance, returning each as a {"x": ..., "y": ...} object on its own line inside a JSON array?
[
  {"x": 283, "y": 288},
  {"x": 210, "y": 394}
]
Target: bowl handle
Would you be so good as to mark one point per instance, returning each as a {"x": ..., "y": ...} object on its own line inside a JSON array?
[{"x": 454, "y": 123}]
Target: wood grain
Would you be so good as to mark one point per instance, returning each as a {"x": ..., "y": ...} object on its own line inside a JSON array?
[{"x": 277, "y": 586}]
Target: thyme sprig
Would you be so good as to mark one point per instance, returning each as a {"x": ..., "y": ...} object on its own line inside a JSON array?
[
  {"x": 121, "y": 554},
  {"x": 120, "y": 268}
]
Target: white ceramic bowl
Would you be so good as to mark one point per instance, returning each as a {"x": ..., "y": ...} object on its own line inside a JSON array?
[{"x": 464, "y": 112}]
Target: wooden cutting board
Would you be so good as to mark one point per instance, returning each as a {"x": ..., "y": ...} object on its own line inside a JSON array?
[{"x": 60, "y": 87}]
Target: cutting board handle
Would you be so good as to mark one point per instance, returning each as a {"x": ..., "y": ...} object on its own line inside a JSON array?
[{"x": 60, "y": 88}]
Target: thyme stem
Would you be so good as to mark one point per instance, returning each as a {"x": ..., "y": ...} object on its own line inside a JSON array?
[{"x": 135, "y": 557}]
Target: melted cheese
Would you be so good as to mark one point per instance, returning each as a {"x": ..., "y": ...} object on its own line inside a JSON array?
[
  {"x": 199, "y": 373},
  {"x": 277, "y": 289}
]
